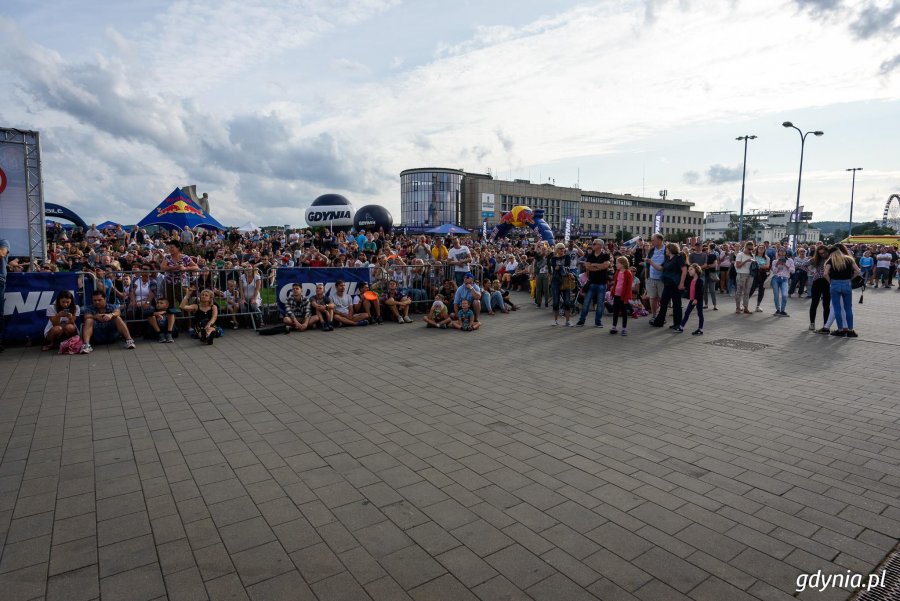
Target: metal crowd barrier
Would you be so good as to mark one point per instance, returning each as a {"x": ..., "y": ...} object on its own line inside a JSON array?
[
  {"x": 420, "y": 282},
  {"x": 229, "y": 288}
]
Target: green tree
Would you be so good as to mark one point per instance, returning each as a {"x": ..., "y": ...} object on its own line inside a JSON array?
[
  {"x": 623, "y": 236},
  {"x": 870, "y": 228},
  {"x": 751, "y": 226}
]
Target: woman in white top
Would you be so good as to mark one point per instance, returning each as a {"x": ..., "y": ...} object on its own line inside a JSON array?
[{"x": 61, "y": 318}]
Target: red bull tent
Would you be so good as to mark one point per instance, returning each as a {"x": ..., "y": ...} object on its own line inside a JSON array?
[{"x": 178, "y": 211}]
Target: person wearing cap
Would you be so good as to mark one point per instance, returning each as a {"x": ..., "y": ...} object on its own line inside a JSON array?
[
  {"x": 468, "y": 291},
  {"x": 4, "y": 260}
]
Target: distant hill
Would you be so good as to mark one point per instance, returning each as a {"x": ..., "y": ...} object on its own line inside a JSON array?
[{"x": 828, "y": 227}]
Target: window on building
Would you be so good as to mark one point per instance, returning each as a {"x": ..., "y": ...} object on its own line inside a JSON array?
[{"x": 604, "y": 214}]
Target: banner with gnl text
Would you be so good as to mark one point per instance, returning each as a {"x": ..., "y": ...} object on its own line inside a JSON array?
[
  {"x": 308, "y": 277},
  {"x": 658, "y": 221},
  {"x": 28, "y": 295}
]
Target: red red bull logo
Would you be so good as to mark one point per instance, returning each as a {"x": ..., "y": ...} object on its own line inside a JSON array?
[{"x": 179, "y": 206}]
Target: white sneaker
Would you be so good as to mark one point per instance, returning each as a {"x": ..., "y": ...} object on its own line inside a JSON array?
[
  {"x": 407, "y": 319},
  {"x": 86, "y": 348},
  {"x": 129, "y": 344}
]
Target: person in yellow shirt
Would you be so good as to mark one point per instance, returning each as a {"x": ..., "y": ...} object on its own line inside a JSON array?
[{"x": 439, "y": 251}]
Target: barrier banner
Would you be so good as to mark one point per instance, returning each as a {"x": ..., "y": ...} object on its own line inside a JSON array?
[
  {"x": 308, "y": 277},
  {"x": 27, "y": 297}
]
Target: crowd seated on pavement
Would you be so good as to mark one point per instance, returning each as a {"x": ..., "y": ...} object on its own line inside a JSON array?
[{"x": 153, "y": 282}]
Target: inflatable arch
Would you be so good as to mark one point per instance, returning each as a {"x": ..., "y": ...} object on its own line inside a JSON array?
[{"x": 522, "y": 216}]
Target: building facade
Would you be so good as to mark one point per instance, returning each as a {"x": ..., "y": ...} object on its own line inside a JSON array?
[
  {"x": 484, "y": 198},
  {"x": 430, "y": 197},
  {"x": 715, "y": 224}
]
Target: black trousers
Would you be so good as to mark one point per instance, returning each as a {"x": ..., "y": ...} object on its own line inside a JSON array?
[
  {"x": 673, "y": 294},
  {"x": 620, "y": 307},
  {"x": 821, "y": 291}
]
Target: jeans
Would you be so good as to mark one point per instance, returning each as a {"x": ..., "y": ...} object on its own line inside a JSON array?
[
  {"x": 2, "y": 299},
  {"x": 842, "y": 303},
  {"x": 709, "y": 290},
  {"x": 459, "y": 277},
  {"x": 780, "y": 292},
  {"x": 492, "y": 301},
  {"x": 691, "y": 306},
  {"x": 597, "y": 292},
  {"x": 562, "y": 299},
  {"x": 541, "y": 289}
]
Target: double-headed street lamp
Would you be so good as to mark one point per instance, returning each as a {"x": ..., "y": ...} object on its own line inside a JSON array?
[
  {"x": 799, "y": 178},
  {"x": 852, "y": 190},
  {"x": 743, "y": 181}
]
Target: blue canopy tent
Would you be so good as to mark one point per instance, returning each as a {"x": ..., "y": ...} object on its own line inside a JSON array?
[
  {"x": 447, "y": 228},
  {"x": 107, "y": 225},
  {"x": 178, "y": 211}
]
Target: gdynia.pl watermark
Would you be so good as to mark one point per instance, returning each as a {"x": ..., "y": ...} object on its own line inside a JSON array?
[{"x": 819, "y": 581}]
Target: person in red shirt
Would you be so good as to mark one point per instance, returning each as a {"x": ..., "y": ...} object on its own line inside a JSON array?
[{"x": 622, "y": 284}]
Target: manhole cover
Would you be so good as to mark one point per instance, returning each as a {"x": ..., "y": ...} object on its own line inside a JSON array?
[
  {"x": 888, "y": 586},
  {"x": 741, "y": 345}
]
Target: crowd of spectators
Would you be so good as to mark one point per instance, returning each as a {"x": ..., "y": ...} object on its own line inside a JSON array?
[{"x": 219, "y": 279}]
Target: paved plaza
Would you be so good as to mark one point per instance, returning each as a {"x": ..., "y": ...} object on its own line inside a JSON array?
[{"x": 391, "y": 463}]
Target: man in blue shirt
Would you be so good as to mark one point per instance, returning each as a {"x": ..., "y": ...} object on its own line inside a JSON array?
[
  {"x": 654, "y": 284},
  {"x": 468, "y": 291}
]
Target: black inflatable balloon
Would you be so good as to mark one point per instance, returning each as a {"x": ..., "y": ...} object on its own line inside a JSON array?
[{"x": 373, "y": 218}]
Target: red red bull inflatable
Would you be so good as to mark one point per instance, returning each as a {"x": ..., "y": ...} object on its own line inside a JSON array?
[{"x": 523, "y": 216}]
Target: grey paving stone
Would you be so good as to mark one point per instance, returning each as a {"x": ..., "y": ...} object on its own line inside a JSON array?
[
  {"x": 82, "y": 584},
  {"x": 72, "y": 555},
  {"x": 341, "y": 587},
  {"x": 185, "y": 585},
  {"x": 444, "y": 588},
  {"x": 481, "y": 537},
  {"x": 284, "y": 587},
  {"x": 411, "y": 566},
  {"x": 229, "y": 588},
  {"x": 213, "y": 562},
  {"x": 466, "y": 566},
  {"x": 500, "y": 588},
  {"x": 261, "y": 563},
  {"x": 25, "y": 553},
  {"x": 672, "y": 570},
  {"x": 175, "y": 556},
  {"x": 317, "y": 562},
  {"x": 520, "y": 565},
  {"x": 297, "y": 534},
  {"x": 140, "y": 584},
  {"x": 127, "y": 555},
  {"x": 362, "y": 565}
]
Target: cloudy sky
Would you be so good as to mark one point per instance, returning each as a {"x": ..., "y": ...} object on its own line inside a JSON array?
[{"x": 267, "y": 105}]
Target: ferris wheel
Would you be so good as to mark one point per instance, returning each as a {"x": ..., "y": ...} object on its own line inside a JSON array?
[{"x": 891, "y": 217}]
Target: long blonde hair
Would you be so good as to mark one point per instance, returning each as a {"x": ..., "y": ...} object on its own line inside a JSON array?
[{"x": 838, "y": 259}]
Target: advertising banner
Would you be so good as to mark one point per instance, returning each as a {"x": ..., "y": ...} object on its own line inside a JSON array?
[
  {"x": 568, "y": 231},
  {"x": 658, "y": 221},
  {"x": 308, "y": 277},
  {"x": 488, "y": 205},
  {"x": 13, "y": 199},
  {"x": 27, "y": 297}
]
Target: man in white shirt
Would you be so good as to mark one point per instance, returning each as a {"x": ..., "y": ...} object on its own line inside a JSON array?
[
  {"x": 744, "y": 279},
  {"x": 459, "y": 256},
  {"x": 882, "y": 267},
  {"x": 93, "y": 235},
  {"x": 343, "y": 307}
]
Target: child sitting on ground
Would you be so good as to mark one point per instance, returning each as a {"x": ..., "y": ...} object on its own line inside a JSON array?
[
  {"x": 438, "y": 315},
  {"x": 465, "y": 318},
  {"x": 162, "y": 320}
]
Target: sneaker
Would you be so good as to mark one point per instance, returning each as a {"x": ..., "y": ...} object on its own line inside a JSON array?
[
  {"x": 407, "y": 319},
  {"x": 784, "y": 314},
  {"x": 169, "y": 338},
  {"x": 598, "y": 325},
  {"x": 129, "y": 344},
  {"x": 655, "y": 324},
  {"x": 697, "y": 332},
  {"x": 380, "y": 321},
  {"x": 86, "y": 348},
  {"x": 569, "y": 324},
  {"x": 674, "y": 327},
  {"x": 823, "y": 331},
  {"x": 715, "y": 308},
  {"x": 678, "y": 329},
  {"x": 624, "y": 332},
  {"x": 556, "y": 322},
  {"x": 838, "y": 333},
  {"x": 162, "y": 337},
  {"x": 852, "y": 334},
  {"x": 442, "y": 326},
  {"x": 580, "y": 324},
  {"x": 613, "y": 331},
  {"x": 747, "y": 312},
  {"x": 758, "y": 310},
  {"x": 812, "y": 327},
  {"x": 364, "y": 322},
  {"x": 234, "y": 325}
]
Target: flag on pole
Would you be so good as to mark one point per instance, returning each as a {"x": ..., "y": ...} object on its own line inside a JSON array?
[
  {"x": 484, "y": 229},
  {"x": 568, "y": 228},
  {"x": 658, "y": 221}
]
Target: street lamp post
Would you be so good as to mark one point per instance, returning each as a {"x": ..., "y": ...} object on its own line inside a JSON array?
[
  {"x": 852, "y": 190},
  {"x": 743, "y": 182},
  {"x": 799, "y": 178}
]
